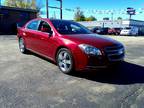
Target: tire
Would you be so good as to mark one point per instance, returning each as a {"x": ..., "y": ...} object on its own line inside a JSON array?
[
  {"x": 65, "y": 61},
  {"x": 22, "y": 46}
]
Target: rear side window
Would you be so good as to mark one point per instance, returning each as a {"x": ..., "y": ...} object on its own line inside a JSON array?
[{"x": 33, "y": 25}]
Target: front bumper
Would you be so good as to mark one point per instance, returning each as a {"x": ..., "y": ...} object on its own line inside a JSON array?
[
  {"x": 104, "y": 62},
  {"x": 111, "y": 55}
]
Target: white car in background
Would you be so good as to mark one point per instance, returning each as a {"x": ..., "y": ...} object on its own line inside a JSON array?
[{"x": 129, "y": 31}]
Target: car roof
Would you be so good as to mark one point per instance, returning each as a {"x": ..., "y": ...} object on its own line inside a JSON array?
[{"x": 52, "y": 19}]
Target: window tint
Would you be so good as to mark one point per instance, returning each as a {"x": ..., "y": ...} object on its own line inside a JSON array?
[
  {"x": 33, "y": 25},
  {"x": 44, "y": 27},
  {"x": 69, "y": 27}
]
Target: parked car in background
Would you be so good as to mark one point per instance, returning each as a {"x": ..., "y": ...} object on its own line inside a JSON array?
[
  {"x": 100, "y": 30},
  {"x": 97, "y": 30},
  {"x": 105, "y": 30},
  {"x": 130, "y": 31},
  {"x": 141, "y": 31},
  {"x": 70, "y": 45},
  {"x": 114, "y": 31}
]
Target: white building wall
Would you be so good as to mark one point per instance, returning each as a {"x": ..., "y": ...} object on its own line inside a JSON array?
[{"x": 112, "y": 24}]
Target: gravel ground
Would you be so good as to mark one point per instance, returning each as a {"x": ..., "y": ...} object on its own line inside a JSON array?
[{"x": 30, "y": 81}]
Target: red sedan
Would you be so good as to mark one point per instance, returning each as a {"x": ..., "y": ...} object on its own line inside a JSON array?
[
  {"x": 114, "y": 31},
  {"x": 69, "y": 44}
]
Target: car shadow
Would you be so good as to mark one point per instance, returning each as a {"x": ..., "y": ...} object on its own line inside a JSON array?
[{"x": 126, "y": 73}]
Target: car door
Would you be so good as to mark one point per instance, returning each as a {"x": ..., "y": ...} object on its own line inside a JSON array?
[
  {"x": 30, "y": 35},
  {"x": 47, "y": 39}
]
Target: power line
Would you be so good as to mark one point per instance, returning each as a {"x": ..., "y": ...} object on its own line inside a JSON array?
[
  {"x": 90, "y": 11},
  {"x": 47, "y": 8}
]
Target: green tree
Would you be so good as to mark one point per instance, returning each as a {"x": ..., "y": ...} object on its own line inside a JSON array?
[
  {"x": 31, "y": 4},
  {"x": 119, "y": 18},
  {"x": 91, "y": 18},
  {"x": 79, "y": 16},
  {"x": 106, "y": 18}
]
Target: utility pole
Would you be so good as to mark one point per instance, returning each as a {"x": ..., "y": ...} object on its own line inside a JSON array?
[
  {"x": 47, "y": 8},
  {"x": 130, "y": 16},
  {"x": 61, "y": 8},
  {"x": 131, "y": 11}
]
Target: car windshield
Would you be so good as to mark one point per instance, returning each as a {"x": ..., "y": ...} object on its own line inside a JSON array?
[{"x": 69, "y": 27}]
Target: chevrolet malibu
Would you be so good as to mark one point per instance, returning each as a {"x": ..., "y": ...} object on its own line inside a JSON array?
[{"x": 70, "y": 45}]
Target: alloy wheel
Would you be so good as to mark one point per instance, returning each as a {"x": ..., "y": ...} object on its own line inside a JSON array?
[{"x": 64, "y": 61}]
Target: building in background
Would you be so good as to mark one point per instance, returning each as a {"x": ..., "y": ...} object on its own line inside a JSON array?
[
  {"x": 11, "y": 17},
  {"x": 116, "y": 24},
  {"x": 103, "y": 23}
]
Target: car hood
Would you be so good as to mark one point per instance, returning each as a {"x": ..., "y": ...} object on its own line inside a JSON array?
[{"x": 96, "y": 40}]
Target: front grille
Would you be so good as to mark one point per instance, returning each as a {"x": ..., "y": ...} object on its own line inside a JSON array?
[
  {"x": 115, "y": 52},
  {"x": 96, "y": 61}
]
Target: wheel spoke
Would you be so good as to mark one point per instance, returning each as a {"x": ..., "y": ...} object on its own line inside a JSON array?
[
  {"x": 65, "y": 55},
  {"x": 60, "y": 56},
  {"x": 65, "y": 66},
  {"x": 68, "y": 62},
  {"x": 21, "y": 45},
  {"x": 60, "y": 64}
]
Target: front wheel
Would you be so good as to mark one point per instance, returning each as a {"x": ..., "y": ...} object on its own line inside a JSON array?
[{"x": 65, "y": 61}]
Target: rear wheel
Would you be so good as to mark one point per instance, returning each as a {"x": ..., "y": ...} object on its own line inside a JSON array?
[
  {"x": 22, "y": 46},
  {"x": 65, "y": 61}
]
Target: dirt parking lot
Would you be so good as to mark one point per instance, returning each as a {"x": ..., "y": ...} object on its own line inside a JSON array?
[{"x": 29, "y": 81}]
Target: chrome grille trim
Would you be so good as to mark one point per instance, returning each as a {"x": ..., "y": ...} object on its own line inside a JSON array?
[{"x": 115, "y": 52}]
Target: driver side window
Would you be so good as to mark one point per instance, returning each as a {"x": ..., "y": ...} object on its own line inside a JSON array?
[
  {"x": 33, "y": 25},
  {"x": 45, "y": 27}
]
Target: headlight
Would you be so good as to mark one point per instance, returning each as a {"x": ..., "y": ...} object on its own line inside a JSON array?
[{"x": 90, "y": 50}]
